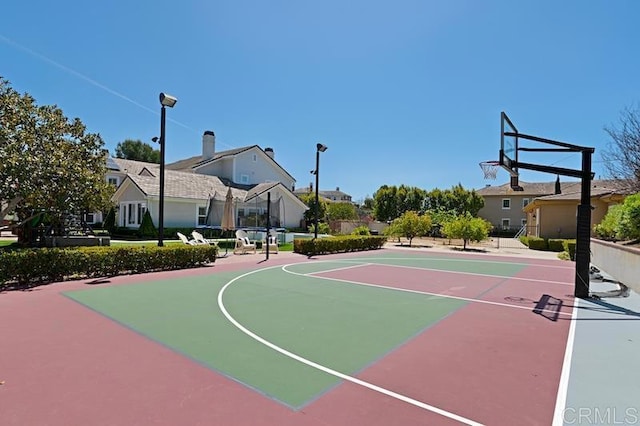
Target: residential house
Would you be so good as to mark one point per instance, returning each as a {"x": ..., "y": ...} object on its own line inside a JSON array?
[
  {"x": 554, "y": 216},
  {"x": 545, "y": 209},
  {"x": 503, "y": 206},
  {"x": 329, "y": 195},
  {"x": 194, "y": 185}
]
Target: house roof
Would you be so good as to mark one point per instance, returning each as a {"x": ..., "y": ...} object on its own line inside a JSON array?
[
  {"x": 192, "y": 163},
  {"x": 184, "y": 185},
  {"x": 134, "y": 167},
  {"x": 541, "y": 189},
  {"x": 188, "y": 164}
]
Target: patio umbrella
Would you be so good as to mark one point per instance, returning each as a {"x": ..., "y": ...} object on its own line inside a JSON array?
[{"x": 228, "y": 216}]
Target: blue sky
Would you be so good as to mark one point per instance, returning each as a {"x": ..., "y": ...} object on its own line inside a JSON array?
[{"x": 404, "y": 92}]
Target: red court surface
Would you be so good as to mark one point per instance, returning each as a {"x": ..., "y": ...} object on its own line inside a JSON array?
[{"x": 493, "y": 361}]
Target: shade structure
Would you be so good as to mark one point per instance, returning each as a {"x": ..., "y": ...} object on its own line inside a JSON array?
[{"x": 228, "y": 215}]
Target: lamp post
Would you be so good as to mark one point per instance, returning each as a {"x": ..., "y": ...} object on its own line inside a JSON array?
[
  {"x": 319, "y": 148},
  {"x": 165, "y": 101}
]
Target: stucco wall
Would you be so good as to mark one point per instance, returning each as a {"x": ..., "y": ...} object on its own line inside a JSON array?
[{"x": 622, "y": 263}]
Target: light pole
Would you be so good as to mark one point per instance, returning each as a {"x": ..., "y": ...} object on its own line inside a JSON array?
[
  {"x": 165, "y": 101},
  {"x": 319, "y": 148}
]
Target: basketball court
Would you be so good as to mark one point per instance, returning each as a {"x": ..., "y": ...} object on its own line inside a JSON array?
[{"x": 383, "y": 337}]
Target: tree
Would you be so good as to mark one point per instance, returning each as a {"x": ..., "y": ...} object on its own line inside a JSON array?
[
  {"x": 147, "y": 228},
  {"x": 457, "y": 200},
  {"x": 137, "y": 150},
  {"x": 468, "y": 228},
  {"x": 310, "y": 200},
  {"x": 411, "y": 225},
  {"x": 48, "y": 161},
  {"x": 341, "y": 211},
  {"x": 629, "y": 225},
  {"x": 385, "y": 207},
  {"x": 622, "y": 156}
]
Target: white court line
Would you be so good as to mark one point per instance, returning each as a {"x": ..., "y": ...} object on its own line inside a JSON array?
[
  {"x": 563, "y": 388},
  {"x": 448, "y": 259},
  {"x": 328, "y": 370},
  {"x": 427, "y": 293},
  {"x": 455, "y": 272}
]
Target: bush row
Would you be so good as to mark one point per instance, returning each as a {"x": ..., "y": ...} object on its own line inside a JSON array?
[
  {"x": 340, "y": 244},
  {"x": 30, "y": 266},
  {"x": 551, "y": 244}
]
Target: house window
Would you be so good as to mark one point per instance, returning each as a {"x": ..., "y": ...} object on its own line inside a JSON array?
[
  {"x": 523, "y": 222},
  {"x": 244, "y": 178},
  {"x": 113, "y": 181},
  {"x": 525, "y": 201},
  {"x": 89, "y": 218},
  {"x": 132, "y": 213},
  {"x": 202, "y": 215},
  {"x": 255, "y": 158},
  {"x": 506, "y": 203},
  {"x": 506, "y": 224}
]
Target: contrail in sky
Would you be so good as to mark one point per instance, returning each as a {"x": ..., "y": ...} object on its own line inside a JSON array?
[{"x": 87, "y": 79}]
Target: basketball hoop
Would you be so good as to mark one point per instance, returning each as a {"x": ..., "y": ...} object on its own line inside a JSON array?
[{"x": 490, "y": 169}]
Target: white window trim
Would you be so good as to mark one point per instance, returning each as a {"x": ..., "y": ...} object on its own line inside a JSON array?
[
  {"x": 523, "y": 221},
  {"x": 244, "y": 178},
  {"x": 506, "y": 208},
  {"x": 503, "y": 220},
  {"x": 198, "y": 207},
  {"x": 523, "y": 202}
]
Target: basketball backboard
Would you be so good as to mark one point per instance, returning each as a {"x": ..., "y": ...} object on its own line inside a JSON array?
[{"x": 508, "y": 158}]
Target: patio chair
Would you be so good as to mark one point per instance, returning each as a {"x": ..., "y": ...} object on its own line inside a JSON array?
[
  {"x": 271, "y": 241},
  {"x": 186, "y": 240},
  {"x": 243, "y": 244},
  {"x": 199, "y": 239}
]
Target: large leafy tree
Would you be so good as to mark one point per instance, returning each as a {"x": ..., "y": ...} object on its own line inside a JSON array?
[
  {"x": 341, "y": 211},
  {"x": 137, "y": 150},
  {"x": 390, "y": 202},
  {"x": 48, "y": 161},
  {"x": 310, "y": 201},
  {"x": 457, "y": 200}
]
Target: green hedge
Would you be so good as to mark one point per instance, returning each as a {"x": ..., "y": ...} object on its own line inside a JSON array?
[
  {"x": 537, "y": 243},
  {"x": 570, "y": 247},
  {"x": 30, "y": 266},
  {"x": 524, "y": 240},
  {"x": 555, "y": 244},
  {"x": 340, "y": 244}
]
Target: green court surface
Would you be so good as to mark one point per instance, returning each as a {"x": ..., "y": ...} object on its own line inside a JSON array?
[{"x": 338, "y": 325}]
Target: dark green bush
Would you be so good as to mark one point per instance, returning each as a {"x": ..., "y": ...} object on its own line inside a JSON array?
[
  {"x": 524, "y": 240},
  {"x": 570, "y": 247},
  {"x": 32, "y": 266},
  {"x": 556, "y": 244},
  {"x": 147, "y": 229},
  {"x": 340, "y": 244},
  {"x": 537, "y": 243}
]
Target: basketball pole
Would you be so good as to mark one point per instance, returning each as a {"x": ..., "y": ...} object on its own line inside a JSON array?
[{"x": 583, "y": 231}]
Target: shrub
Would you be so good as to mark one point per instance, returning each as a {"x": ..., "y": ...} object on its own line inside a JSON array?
[
  {"x": 147, "y": 229},
  {"x": 607, "y": 229},
  {"x": 570, "y": 248},
  {"x": 323, "y": 228},
  {"x": 109, "y": 222},
  {"x": 629, "y": 225},
  {"x": 33, "y": 266},
  {"x": 524, "y": 240},
  {"x": 556, "y": 244},
  {"x": 341, "y": 244},
  {"x": 361, "y": 230},
  {"x": 537, "y": 243}
]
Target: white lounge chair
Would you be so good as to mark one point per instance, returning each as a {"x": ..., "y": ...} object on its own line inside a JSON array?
[
  {"x": 186, "y": 240},
  {"x": 271, "y": 241},
  {"x": 199, "y": 239},
  {"x": 243, "y": 244}
]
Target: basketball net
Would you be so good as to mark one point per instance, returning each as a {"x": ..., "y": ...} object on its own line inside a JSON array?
[{"x": 490, "y": 169}]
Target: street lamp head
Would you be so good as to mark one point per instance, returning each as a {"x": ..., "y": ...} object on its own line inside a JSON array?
[
  {"x": 321, "y": 148},
  {"x": 155, "y": 139},
  {"x": 167, "y": 100}
]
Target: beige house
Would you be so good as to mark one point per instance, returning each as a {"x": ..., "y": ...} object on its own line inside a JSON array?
[
  {"x": 503, "y": 206},
  {"x": 546, "y": 209},
  {"x": 330, "y": 195},
  {"x": 194, "y": 184},
  {"x": 555, "y": 216}
]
